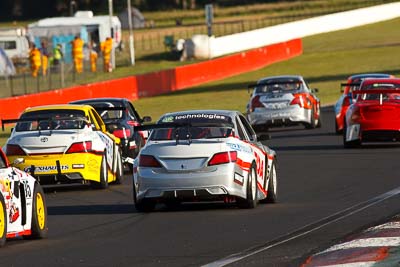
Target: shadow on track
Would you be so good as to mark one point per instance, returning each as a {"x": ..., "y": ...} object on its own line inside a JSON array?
[{"x": 91, "y": 209}]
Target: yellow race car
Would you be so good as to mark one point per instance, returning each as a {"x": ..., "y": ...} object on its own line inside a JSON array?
[{"x": 63, "y": 144}]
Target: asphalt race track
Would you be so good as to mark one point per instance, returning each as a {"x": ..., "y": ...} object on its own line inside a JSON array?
[{"x": 325, "y": 193}]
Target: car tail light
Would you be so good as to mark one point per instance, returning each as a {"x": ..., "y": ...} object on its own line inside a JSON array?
[
  {"x": 148, "y": 161},
  {"x": 255, "y": 103},
  {"x": 301, "y": 100},
  {"x": 122, "y": 133},
  {"x": 15, "y": 150},
  {"x": 355, "y": 115},
  {"x": 80, "y": 147},
  {"x": 223, "y": 157}
]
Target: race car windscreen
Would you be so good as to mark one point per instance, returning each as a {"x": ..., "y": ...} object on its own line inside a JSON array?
[
  {"x": 281, "y": 85},
  {"x": 105, "y": 114},
  {"x": 51, "y": 120},
  {"x": 194, "y": 126}
]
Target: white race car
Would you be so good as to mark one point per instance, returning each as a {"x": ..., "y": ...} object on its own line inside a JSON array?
[
  {"x": 203, "y": 155},
  {"x": 66, "y": 144},
  {"x": 23, "y": 210}
]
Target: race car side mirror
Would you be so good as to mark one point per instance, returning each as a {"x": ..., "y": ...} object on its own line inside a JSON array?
[
  {"x": 315, "y": 90},
  {"x": 18, "y": 161},
  {"x": 146, "y": 119}
]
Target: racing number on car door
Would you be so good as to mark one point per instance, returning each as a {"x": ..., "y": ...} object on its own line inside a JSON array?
[{"x": 260, "y": 165}]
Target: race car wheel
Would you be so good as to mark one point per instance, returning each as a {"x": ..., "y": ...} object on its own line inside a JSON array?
[
  {"x": 349, "y": 144},
  {"x": 251, "y": 191},
  {"x": 119, "y": 176},
  {"x": 313, "y": 122},
  {"x": 319, "y": 121},
  {"x": 39, "y": 214},
  {"x": 103, "y": 182},
  {"x": 272, "y": 193},
  {"x": 3, "y": 221}
]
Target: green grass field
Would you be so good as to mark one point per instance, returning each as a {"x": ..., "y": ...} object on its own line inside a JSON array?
[{"x": 328, "y": 59}]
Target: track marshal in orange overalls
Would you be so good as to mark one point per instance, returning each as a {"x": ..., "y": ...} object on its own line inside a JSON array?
[
  {"x": 77, "y": 53},
  {"x": 35, "y": 59},
  {"x": 106, "y": 48}
]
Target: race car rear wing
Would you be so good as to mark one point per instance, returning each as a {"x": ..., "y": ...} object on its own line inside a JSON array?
[
  {"x": 377, "y": 91},
  {"x": 187, "y": 125},
  {"x": 148, "y": 127},
  {"x": 40, "y": 119},
  {"x": 272, "y": 83},
  {"x": 347, "y": 84}
]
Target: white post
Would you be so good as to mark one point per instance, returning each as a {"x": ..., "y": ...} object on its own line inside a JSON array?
[
  {"x": 131, "y": 39},
  {"x": 110, "y": 10}
]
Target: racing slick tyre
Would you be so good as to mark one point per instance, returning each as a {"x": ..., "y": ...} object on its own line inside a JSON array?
[
  {"x": 119, "y": 175},
  {"x": 349, "y": 144},
  {"x": 251, "y": 191},
  {"x": 143, "y": 205},
  {"x": 3, "y": 221},
  {"x": 313, "y": 122},
  {"x": 39, "y": 214},
  {"x": 272, "y": 193},
  {"x": 319, "y": 121},
  {"x": 103, "y": 183}
]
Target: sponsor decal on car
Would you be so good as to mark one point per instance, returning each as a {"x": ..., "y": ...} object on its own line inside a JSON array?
[
  {"x": 238, "y": 147},
  {"x": 47, "y": 168},
  {"x": 199, "y": 116}
]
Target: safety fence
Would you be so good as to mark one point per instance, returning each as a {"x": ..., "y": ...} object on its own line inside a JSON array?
[{"x": 160, "y": 82}]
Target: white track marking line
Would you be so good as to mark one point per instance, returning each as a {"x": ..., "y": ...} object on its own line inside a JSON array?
[
  {"x": 341, "y": 215},
  {"x": 365, "y": 243},
  {"x": 354, "y": 264}
]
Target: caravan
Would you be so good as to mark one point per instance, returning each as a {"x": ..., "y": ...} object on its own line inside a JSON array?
[
  {"x": 62, "y": 30},
  {"x": 15, "y": 44}
]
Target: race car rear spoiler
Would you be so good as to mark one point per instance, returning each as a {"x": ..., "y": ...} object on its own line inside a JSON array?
[
  {"x": 377, "y": 91},
  {"x": 39, "y": 119},
  {"x": 109, "y": 108},
  {"x": 168, "y": 125}
]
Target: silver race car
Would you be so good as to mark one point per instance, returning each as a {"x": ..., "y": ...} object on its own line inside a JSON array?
[
  {"x": 283, "y": 101},
  {"x": 199, "y": 155}
]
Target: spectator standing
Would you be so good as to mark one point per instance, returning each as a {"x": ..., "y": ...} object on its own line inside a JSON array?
[
  {"x": 77, "y": 53},
  {"x": 57, "y": 55},
  {"x": 93, "y": 58},
  {"x": 106, "y": 48},
  {"x": 35, "y": 60}
]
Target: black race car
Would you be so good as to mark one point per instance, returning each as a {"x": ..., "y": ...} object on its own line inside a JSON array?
[{"x": 120, "y": 116}]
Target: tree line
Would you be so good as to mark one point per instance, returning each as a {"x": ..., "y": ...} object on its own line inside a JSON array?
[{"x": 11, "y": 10}]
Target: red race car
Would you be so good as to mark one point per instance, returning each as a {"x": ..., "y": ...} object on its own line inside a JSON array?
[
  {"x": 375, "y": 114},
  {"x": 345, "y": 100}
]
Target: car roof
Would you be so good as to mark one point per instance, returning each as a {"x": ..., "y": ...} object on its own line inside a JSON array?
[
  {"x": 381, "y": 81},
  {"x": 62, "y": 106},
  {"x": 297, "y": 77},
  {"x": 369, "y": 75},
  {"x": 227, "y": 113}
]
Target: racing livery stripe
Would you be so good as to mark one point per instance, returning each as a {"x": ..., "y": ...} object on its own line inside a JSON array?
[
  {"x": 21, "y": 233},
  {"x": 243, "y": 165}
]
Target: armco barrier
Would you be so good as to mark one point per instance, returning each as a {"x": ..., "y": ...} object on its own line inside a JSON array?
[{"x": 160, "y": 82}]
